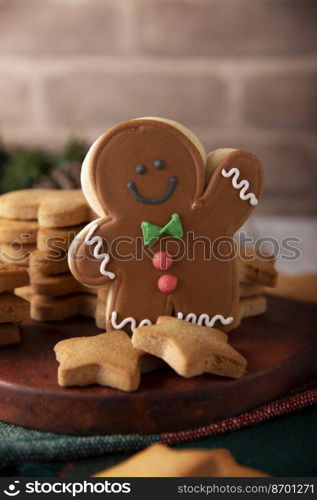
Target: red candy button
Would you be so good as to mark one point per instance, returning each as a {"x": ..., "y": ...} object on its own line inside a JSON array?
[
  {"x": 167, "y": 283},
  {"x": 162, "y": 261}
]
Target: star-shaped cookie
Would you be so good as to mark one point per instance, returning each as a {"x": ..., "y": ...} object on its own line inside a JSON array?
[
  {"x": 190, "y": 349},
  {"x": 107, "y": 359},
  {"x": 161, "y": 461}
]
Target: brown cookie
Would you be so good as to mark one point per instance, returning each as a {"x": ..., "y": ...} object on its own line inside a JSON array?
[
  {"x": 56, "y": 240},
  {"x": 256, "y": 268},
  {"x": 252, "y": 306},
  {"x": 148, "y": 362},
  {"x": 44, "y": 308},
  {"x": 89, "y": 289},
  {"x": 88, "y": 304},
  {"x": 100, "y": 314},
  {"x": 25, "y": 292},
  {"x": 161, "y": 461},
  {"x": 13, "y": 309},
  {"x": 52, "y": 208},
  {"x": 18, "y": 231},
  {"x": 64, "y": 208},
  {"x": 250, "y": 289},
  {"x": 100, "y": 317},
  {"x": 55, "y": 285},
  {"x": 22, "y": 204},
  {"x": 15, "y": 253},
  {"x": 102, "y": 293},
  {"x": 9, "y": 334},
  {"x": 146, "y": 179},
  {"x": 107, "y": 359},
  {"x": 21, "y": 264},
  {"x": 247, "y": 252},
  {"x": 190, "y": 349},
  {"x": 48, "y": 262},
  {"x": 12, "y": 276}
]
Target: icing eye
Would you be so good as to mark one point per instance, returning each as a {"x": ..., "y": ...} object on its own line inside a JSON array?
[
  {"x": 159, "y": 164},
  {"x": 140, "y": 169}
]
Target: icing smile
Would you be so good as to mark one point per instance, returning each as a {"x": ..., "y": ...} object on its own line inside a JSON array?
[{"x": 172, "y": 183}]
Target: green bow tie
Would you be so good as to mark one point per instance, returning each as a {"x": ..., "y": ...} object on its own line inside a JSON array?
[{"x": 151, "y": 232}]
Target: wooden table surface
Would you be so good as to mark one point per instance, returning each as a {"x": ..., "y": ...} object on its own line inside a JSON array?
[{"x": 281, "y": 348}]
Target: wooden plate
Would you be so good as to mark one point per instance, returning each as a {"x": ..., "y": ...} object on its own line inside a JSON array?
[{"x": 281, "y": 348}]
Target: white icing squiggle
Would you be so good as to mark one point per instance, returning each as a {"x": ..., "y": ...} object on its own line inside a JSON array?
[
  {"x": 125, "y": 321},
  {"x": 191, "y": 317},
  {"x": 209, "y": 321},
  {"x": 97, "y": 240},
  {"x": 242, "y": 185}
]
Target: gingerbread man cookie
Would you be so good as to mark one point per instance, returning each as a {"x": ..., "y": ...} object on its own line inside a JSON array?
[{"x": 168, "y": 213}]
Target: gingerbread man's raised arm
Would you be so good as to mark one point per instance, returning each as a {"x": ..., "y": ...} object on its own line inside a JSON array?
[
  {"x": 234, "y": 187},
  {"x": 89, "y": 255}
]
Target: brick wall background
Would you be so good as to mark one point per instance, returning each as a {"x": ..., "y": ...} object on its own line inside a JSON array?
[{"x": 240, "y": 73}]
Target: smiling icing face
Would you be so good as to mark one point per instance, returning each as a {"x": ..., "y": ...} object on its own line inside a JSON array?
[
  {"x": 141, "y": 170},
  {"x": 146, "y": 168}
]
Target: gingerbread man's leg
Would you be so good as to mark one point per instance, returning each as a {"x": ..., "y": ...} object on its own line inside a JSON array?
[
  {"x": 200, "y": 297},
  {"x": 135, "y": 301}
]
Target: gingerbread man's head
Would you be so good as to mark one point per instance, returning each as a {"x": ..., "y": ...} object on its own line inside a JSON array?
[{"x": 140, "y": 166}]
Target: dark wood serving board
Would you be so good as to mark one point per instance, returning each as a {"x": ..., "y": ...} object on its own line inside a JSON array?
[{"x": 281, "y": 348}]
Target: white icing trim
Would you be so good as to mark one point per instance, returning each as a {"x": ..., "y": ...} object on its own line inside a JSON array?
[
  {"x": 145, "y": 322},
  {"x": 242, "y": 185},
  {"x": 125, "y": 321},
  {"x": 97, "y": 240},
  {"x": 191, "y": 317},
  {"x": 209, "y": 321}
]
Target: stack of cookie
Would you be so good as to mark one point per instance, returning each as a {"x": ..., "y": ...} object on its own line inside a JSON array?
[
  {"x": 56, "y": 295},
  {"x": 256, "y": 271},
  {"x": 36, "y": 229},
  {"x": 18, "y": 225},
  {"x": 13, "y": 309}
]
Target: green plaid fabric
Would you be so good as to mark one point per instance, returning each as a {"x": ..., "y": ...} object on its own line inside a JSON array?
[
  {"x": 18, "y": 445},
  {"x": 283, "y": 446}
]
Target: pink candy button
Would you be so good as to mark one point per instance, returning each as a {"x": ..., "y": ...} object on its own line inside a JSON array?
[
  {"x": 162, "y": 261},
  {"x": 167, "y": 283}
]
